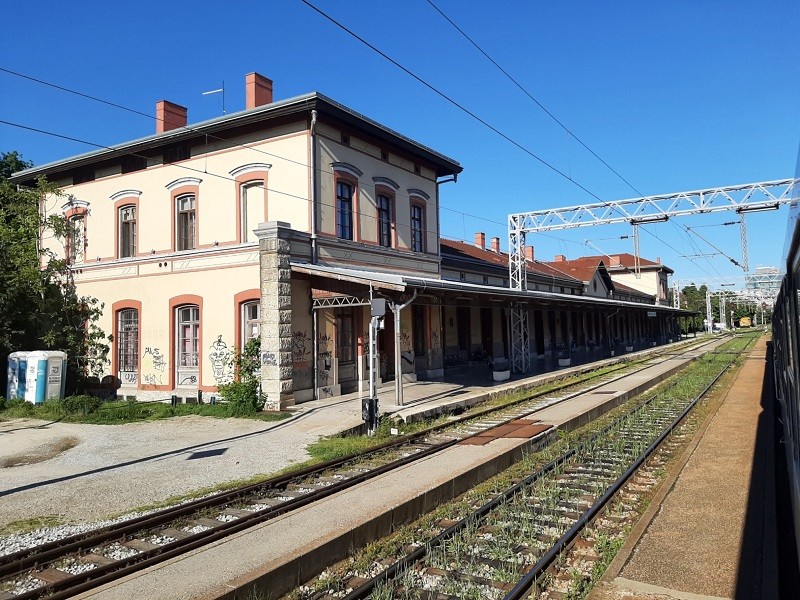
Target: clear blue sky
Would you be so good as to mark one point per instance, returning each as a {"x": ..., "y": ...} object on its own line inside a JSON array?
[{"x": 674, "y": 95}]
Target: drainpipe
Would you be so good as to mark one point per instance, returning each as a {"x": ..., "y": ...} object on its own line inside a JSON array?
[
  {"x": 314, "y": 322},
  {"x": 398, "y": 359},
  {"x": 313, "y": 129}
]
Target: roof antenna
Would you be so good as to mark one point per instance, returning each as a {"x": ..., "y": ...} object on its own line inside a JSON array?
[{"x": 217, "y": 91}]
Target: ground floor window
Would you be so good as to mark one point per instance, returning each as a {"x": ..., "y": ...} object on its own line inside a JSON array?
[
  {"x": 250, "y": 318},
  {"x": 188, "y": 345},
  {"x": 128, "y": 346}
]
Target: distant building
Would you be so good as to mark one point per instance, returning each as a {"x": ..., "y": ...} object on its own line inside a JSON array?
[{"x": 652, "y": 281}]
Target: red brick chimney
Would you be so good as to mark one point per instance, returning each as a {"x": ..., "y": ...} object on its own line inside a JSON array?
[
  {"x": 529, "y": 253},
  {"x": 169, "y": 116},
  {"x": 560, "y": 258},
  {"x": 480, "y": 240},
  {"x": 614, "y": 261},
  {"x": 259, "y": 90},
  {"x": 496, "y": 245}
]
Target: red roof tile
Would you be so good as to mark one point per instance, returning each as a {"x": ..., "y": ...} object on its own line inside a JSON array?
[{"x": 459, "y": 249}]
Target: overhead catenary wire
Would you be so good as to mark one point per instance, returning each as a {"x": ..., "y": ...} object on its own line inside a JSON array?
[
  {"x": 531, "y": 96},
  {"x": 193, "y": 129},
  {"x": 195, "y": 170},
  {"x": 301, "y": 163},
  {"x": 471, "y": 113}
]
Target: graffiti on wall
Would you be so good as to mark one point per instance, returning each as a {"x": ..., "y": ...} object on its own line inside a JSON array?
[
  {"x": 300, "y": 346},
  {"x": 221, "y": 358},
  {"x": 153, "y": 366},
  {"x": 435, "y": 342}
]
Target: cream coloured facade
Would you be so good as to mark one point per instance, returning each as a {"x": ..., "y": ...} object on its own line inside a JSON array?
[
  {"x": 282, "y": 222},
  {"x": 164, "y": 236}
]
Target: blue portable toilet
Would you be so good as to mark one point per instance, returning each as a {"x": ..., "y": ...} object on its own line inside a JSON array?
[
  {"x": 46, "y": 375},
  {"x": 17, "y": 364}
]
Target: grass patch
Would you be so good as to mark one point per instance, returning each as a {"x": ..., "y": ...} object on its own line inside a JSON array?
[
  {"x": 86, "y": 409},
  {"x": 27, "y": 525}
]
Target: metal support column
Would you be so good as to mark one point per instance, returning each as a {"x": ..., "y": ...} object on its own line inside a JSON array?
[
  {"x": 745, "y": 252},
  {"x": 520, "y": 350},
  {"x": 709, "y": 316},
  {"x": 398, "y": 357},
  {"x": 518, "y": 280}
]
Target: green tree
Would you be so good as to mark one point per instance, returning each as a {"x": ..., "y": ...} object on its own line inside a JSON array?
[{"x": 38, "y": 300}]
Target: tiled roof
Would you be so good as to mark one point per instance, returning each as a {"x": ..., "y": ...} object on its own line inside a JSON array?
[
  {"x": 462, "y": 250},
  {"x": 628, "y": 261},
  {"x": 580, "y": 268}
]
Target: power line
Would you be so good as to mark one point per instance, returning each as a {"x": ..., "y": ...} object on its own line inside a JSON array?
[
  {"x": 533, "y": 99},
  {"x": 361, "y": 214},
  {"x": 441, "y": 94},
  {"x": 469, "y": 112},
  {"x": 188, "y": 128}
]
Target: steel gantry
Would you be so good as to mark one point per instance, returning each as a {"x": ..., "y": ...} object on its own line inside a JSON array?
[{"x": 749, "y": 197}]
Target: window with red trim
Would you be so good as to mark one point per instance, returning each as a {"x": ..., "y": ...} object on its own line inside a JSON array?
[
  {"x": 186, "y": 222},
  {"x": 344, "y": 210},
  {"x": 127, "y": 231}
]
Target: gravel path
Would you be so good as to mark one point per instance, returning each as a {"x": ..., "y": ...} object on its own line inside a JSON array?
[{"x": 114, "y": 468}]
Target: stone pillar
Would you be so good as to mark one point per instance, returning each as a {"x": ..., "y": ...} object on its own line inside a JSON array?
[{"x": 274, "y": 241}]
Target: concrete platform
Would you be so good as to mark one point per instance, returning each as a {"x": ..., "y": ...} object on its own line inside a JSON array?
[
  {"x": 710, "y": 532},
  {"x": 276, "y": 556}
]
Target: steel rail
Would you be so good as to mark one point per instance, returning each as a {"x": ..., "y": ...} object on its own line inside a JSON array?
[
  {"x": 479, "y": 514},
  {"x": 11, "y": 564},
  {"x": 522, "y": 588},
  {"x": 17, "y": 563}
]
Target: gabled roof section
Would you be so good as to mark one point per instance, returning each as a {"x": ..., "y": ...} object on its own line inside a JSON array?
[
  {"x": 297, "y": 106},
  {"x": 627, "y": 262},
  {"x": 584, "y": 269},
  {"x": 469, "y": 253}
]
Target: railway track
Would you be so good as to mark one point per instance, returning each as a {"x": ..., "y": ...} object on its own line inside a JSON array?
[
  {"x": 504, "y": 547},
  {"x": 74, "y": 564}
]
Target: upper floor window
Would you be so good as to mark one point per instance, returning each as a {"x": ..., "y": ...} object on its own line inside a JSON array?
[
  {"x": 76, "y": 239},
  {"x": 127, "y": 231},
  {"x": 186, "y": 223},
  {"x": 417, "y": 228},
  {"x": 344, "y": 210},
  {"x": 252, "y": 209},
  {"x": 384, "y": 220}
]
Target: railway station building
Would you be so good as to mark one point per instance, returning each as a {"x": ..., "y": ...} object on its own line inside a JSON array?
[{"x": 283, "y": 221}]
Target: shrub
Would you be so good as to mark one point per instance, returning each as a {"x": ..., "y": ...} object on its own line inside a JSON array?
[{"x": 244, "y": 394}]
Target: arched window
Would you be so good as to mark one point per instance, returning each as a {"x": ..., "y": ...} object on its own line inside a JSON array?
[
  {"x": 417, "y": 228},
  {"x": 344, "y": 209},
  {"x": 127, "y": 231},
  {"x": 252, "y": 209},
  {"x": 185, "y": 222},
  {"x": 250, "y": 321},
  {"x": 187, "y": 350},
  {"x": 127, "y": 340},
  {"x": 76, "y": 239}
]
